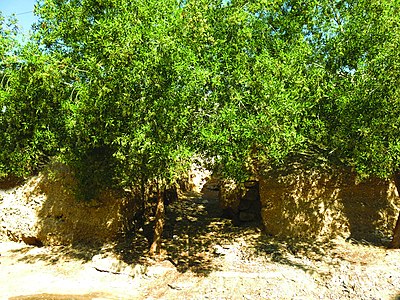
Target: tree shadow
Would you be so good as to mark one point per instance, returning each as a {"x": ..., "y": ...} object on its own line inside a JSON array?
[
  {"x": 194, "y": 227},
  {"x": 370, "y": 208},
  {"x": 132, "y": 248},
  {"x": 56, "y": 254},
  {"x": 291, "y": 252},
  {"x": 10, "y": 182},
  {"x": 313, "y": 256},
  {"x": 189, "y": 237}
]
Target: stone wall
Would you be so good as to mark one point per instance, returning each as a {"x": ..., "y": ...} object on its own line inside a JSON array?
[
  {"x": 317, "y": 205},
  {"x": 237, "y": 201}
]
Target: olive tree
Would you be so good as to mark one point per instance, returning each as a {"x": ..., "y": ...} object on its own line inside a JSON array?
[
  {"x": 31, "y": 85},
  {"x": 127, "y": 120},
  {"x": 253, "y": 73},
  {"x": 127, "y": 92},
  {"x": 357, "y": 44},
  {"x": 151, "y": 84}
]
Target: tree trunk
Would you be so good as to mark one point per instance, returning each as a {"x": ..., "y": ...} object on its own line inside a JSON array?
[
  {"x": 158, "y": 224},
  {"x": 395, "y": 243}
]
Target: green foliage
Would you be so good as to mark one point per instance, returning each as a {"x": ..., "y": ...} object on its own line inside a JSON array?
[
  {"x": 30, "y": 118},
  {"x": 251, "y": 78},
  {"x": 126, "y": 58},
  {"x": 8, "y": 42},
  {"x": 360, "y": 109},
  {"x": 29, "y": 105},
  {"x": 128, "y": 92}
]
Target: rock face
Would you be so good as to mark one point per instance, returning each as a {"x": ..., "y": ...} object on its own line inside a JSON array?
[
  {"x": 45, "y": 211},
  {"x": 310, "y": 204}
]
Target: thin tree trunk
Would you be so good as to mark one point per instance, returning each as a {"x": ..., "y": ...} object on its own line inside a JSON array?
[
  {"x": 395, "y": 243},
  {"x": 158, "y": 224}
]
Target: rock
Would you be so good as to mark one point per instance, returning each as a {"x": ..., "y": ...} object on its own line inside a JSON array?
[
  {"x": 161, "y": 269},
  {"x": 107, "y": 263},
  {"x": 112, "y": 264},
  {"x": 230, "y": 194},
  {"x": 210, "y": 194},
  {"x": 32, "y": 241},
  {"x": 210, "y": 189},
  {"x": 306, "y": 203},
  {"x": 218, "y": 250},
  {"x": 45, "y": 210},
  {"x": 137, "y": 270},
  {"x": 245, "y": 216}
]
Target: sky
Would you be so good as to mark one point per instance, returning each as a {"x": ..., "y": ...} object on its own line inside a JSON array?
[{"x": 23, "y": 9}]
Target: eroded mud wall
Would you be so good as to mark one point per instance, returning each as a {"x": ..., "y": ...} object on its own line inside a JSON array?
[
  {"x": 45, "y": 208},
  {"x": 312, "y": 204}
]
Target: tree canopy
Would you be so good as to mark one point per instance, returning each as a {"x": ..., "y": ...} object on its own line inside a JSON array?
[
  {"x": 132, "y": 91},
  {"x": 148, "y": 85},
  {"x": 359, "y": 110}
]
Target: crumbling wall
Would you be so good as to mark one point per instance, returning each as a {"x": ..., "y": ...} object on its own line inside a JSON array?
[
  {"x": 304, "y": 203},
  {"x": 45, "y": 210},
  {"x": 237, "y": 201}
]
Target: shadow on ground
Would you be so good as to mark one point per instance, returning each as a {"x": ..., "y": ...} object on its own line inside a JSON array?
[
  {"x": 279, "y": 251},
  {"x": 55, "y": 254},
  {"x": 194, "y": 229},
  {"x": 194, "y": 226}
]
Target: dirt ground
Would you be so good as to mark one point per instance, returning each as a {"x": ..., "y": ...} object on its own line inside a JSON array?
[{"x": 205, "y": 257}]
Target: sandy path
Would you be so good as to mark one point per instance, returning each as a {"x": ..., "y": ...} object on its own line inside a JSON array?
[{"x": 206, "y": 258}]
